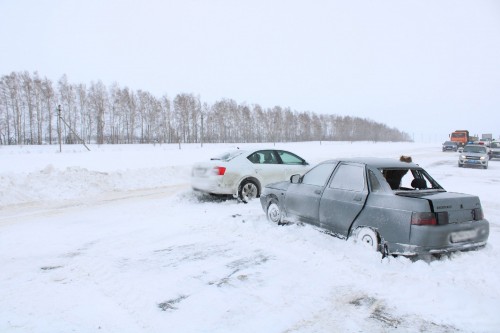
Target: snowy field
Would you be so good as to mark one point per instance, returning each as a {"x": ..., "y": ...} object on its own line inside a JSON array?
[{"x": 114, "y": 240}]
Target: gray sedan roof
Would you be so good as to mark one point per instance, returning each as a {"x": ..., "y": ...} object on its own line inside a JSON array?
[{"x": 378, "y": 162}]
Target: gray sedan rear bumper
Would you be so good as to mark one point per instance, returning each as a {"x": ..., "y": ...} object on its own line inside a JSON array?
[{"x": 443, "y": 238}]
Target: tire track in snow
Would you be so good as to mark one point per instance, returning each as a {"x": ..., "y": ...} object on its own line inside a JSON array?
[{"x": 15, "y": 213}]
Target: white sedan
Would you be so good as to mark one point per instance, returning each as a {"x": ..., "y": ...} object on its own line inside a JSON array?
[{"x": 243, "y": 173}]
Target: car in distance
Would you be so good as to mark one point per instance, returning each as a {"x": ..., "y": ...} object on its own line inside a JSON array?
[
  {"x": 243, "y": 173},
  {"x": 394, "y": 207},
  {"x": 495, "y": 149},
  {"x": 450, "y": 146},
  {"x": 474, "y": 155}
]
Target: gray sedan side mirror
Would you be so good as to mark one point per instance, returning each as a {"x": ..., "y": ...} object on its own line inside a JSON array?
[{"x": 295, "y": 179}]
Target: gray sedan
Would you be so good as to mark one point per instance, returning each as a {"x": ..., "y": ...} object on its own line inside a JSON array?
[{"x": 393, "y": 207}]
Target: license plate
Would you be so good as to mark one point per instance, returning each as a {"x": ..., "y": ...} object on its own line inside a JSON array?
[
  {"x": 472, "y": 161},
  {"x": 462, "y": 236},
  {"x": 200, "y": 172}
]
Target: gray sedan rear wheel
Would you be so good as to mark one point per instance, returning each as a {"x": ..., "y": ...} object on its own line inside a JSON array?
[
  {"x": 367, "y": 237},
  {"x": 274, "y": 212},
  {"x": 248, "y": 191}
]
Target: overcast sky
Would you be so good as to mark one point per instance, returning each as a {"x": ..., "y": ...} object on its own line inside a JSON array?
[{"x": 426, "y": 67}]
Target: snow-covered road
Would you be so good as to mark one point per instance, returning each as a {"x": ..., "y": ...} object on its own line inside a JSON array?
[{"x": 158, "y": 257}]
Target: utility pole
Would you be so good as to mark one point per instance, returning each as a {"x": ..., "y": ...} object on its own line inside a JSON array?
[{"x": 67, "y": 125}]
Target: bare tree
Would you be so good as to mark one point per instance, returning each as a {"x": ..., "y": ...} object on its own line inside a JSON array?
[
  {"x": 166, "y": 119},
  {"x": 48, "y": 107},
  {"x": 98, "y": 103},
  {"x": 261, "y": 134},
  {"x": 119, "y": 115},
  {"x": 12, "y": 86},
  {"x": 67, "y": 100},
  {"x": 5, "y": 111},
  {"x": 187, "y": 110}
]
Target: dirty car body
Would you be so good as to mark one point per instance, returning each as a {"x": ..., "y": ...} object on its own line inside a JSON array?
[
  {"x": 242, "y": 173},
  {"x": 410, "y": 215}
]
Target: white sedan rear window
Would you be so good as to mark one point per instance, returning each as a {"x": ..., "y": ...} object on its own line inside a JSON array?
[{"x": 227, "y": 156}]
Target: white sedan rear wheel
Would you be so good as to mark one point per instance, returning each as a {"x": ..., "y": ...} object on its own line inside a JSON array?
[{"x": 248, "y": 191}]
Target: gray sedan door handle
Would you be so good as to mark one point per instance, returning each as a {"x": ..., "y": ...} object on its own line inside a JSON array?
[
  {"x": 358, "y": 198},
  {"x": 317, "y": 191}
]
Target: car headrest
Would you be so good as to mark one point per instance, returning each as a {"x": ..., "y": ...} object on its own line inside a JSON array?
[{"x": 418, "y": 183}]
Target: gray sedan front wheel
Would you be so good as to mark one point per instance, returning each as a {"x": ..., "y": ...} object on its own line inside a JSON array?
[{"x": 274, "y": 212}]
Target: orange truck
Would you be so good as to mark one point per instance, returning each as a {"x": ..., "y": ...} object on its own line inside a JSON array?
[{"x": 461, "y": 137}]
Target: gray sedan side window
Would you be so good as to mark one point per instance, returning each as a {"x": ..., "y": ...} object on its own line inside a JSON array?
[
  {"x": 349, "y": 177},
  {"x": 318, "y": 175},
  {"x": 374, "y": 183}
]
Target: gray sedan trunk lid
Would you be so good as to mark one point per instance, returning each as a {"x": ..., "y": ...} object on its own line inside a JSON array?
[{"x": 460, "y": 207}]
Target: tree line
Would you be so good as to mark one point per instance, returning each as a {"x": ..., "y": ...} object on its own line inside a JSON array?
[{"x": 117, "y": 115}]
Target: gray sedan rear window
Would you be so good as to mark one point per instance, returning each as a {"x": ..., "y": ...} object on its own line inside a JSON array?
[{"x": 349, "y": 177}]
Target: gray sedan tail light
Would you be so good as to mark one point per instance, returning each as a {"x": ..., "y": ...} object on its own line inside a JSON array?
[{"x": 423, "y": 218}]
